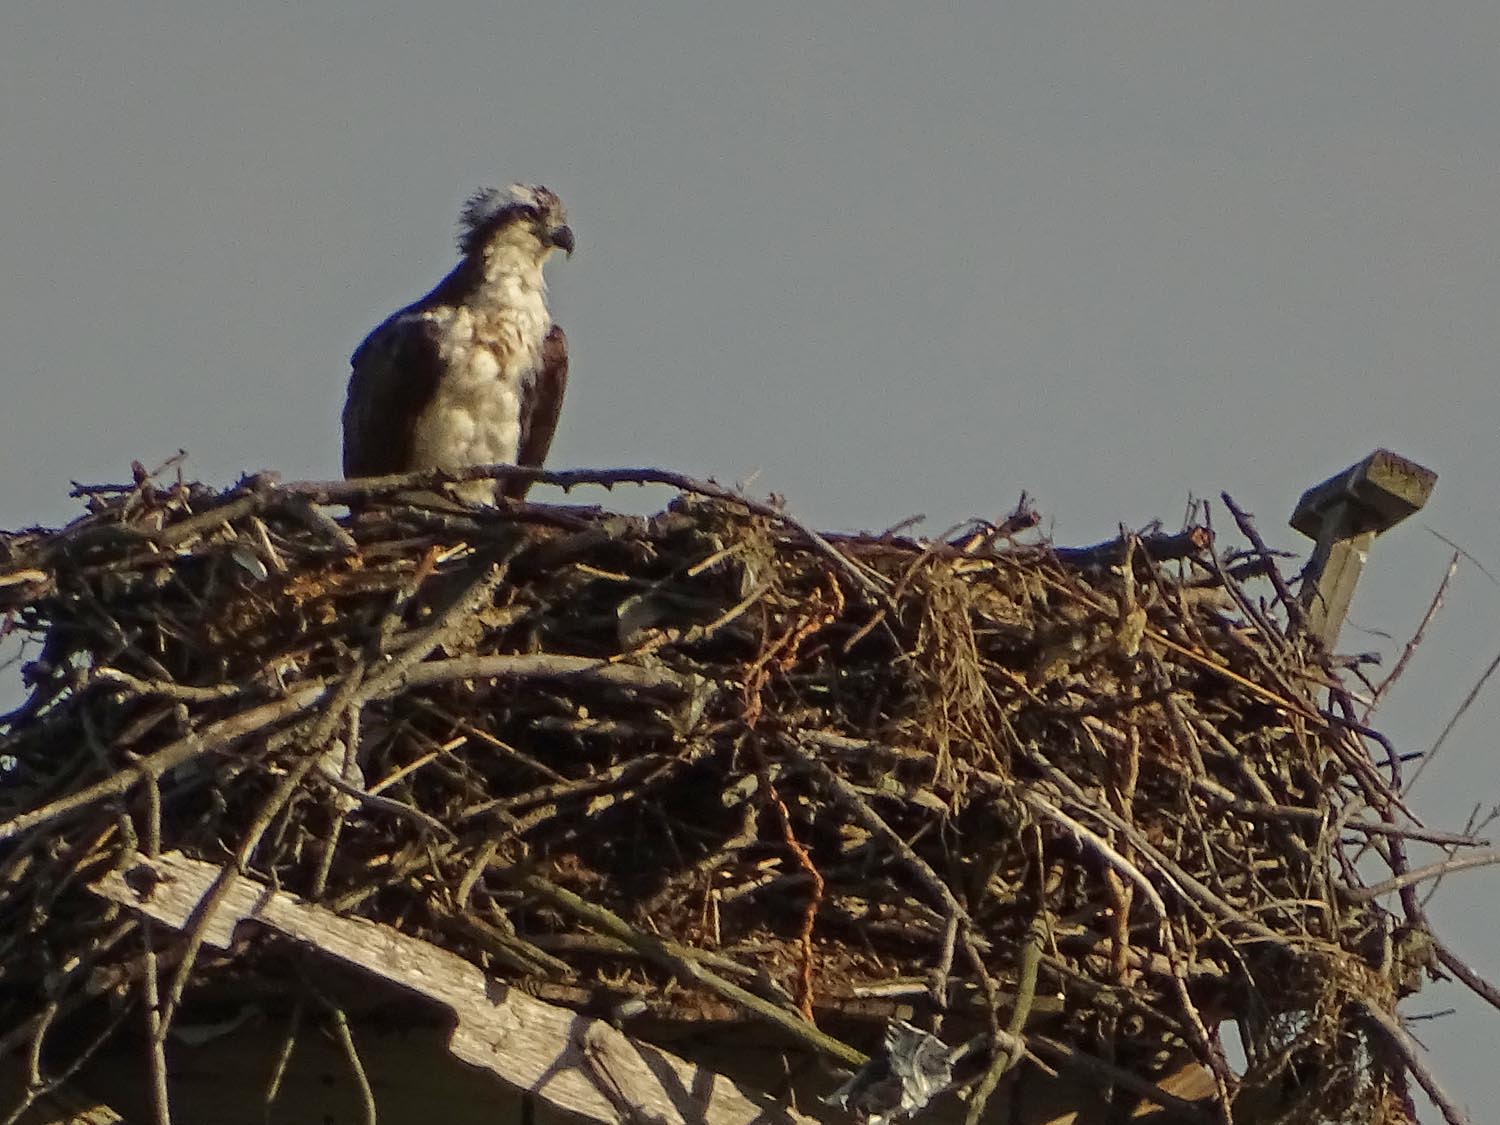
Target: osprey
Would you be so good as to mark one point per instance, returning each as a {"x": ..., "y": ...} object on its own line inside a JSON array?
[{"x": 474, "y": 372}]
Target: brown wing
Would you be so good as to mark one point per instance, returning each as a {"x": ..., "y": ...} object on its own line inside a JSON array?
[
  {"x": 541, "y": 407},
  {"x": 395, "y": 374}
]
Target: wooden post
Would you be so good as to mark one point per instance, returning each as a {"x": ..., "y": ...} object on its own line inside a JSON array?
[{"x": 1343, "y": 515}]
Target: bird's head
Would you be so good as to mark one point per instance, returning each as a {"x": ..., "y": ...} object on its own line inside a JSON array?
[{"x": 524, "y": 219}]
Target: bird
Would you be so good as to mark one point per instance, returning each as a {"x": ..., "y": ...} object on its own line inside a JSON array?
[{"x": 474, "y": 372}]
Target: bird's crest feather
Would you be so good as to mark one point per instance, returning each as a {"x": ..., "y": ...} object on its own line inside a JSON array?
[{"x": 489, "y": 209}]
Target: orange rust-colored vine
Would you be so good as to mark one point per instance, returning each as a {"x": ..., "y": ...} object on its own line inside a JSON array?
[{"x": 781, "y": 655}]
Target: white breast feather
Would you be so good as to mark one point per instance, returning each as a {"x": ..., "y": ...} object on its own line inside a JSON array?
[{"x": 491, "y": 351}]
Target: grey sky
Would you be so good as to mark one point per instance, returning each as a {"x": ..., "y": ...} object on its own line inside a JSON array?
[{"x": 894, "y": 260}]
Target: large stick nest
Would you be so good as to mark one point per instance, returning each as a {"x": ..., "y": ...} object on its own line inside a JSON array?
[{"x": 859, "y": 777}]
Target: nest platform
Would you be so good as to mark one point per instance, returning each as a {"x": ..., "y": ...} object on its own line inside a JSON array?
[{"x": 1061, "y": 810}]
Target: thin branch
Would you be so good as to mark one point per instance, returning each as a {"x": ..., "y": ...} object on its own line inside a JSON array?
[
  {"x": 1295, "y": 614},
  {"x": 540, "y": 666},
  {"x": 161, "y": 1105},
  {"x": 1421, "y": 875},
  {"x": 342, "y": 492},
  {"x": 1410, "y": 1053},
  {"x": 682, "y": 962},
  {"x": 184, "y": 693},
  {"x": 215, "y": 736},
  {"x": 1003, "y": 1058},
  {"x": 345, "y": 1039},
  {"x": 1460, "y": 968},
  {"x": 284, "y": 1055},
  {"x": 1417, "y": 637},
  {"x": 1207, "y": 1049}
]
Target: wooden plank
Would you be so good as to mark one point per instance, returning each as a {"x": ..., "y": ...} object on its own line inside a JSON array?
[
  {"x": 571, "y": 1062},
  {"x": 1344, "y": 514},
  {"x": 1382, "y": 490}
]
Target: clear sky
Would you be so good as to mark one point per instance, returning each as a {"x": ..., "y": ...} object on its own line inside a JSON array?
[{"x": 892, "y": 258}]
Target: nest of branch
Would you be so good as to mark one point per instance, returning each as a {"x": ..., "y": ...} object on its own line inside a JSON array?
[{"x": 634, "y": 759}]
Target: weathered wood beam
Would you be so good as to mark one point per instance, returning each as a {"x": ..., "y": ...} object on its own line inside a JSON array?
[
  {"x": 573, "y": 1063},
  {"x": 1343, "y": 515}
]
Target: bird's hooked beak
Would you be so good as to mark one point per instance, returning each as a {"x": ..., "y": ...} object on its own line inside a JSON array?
[{"x": 562, "y": 238}]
